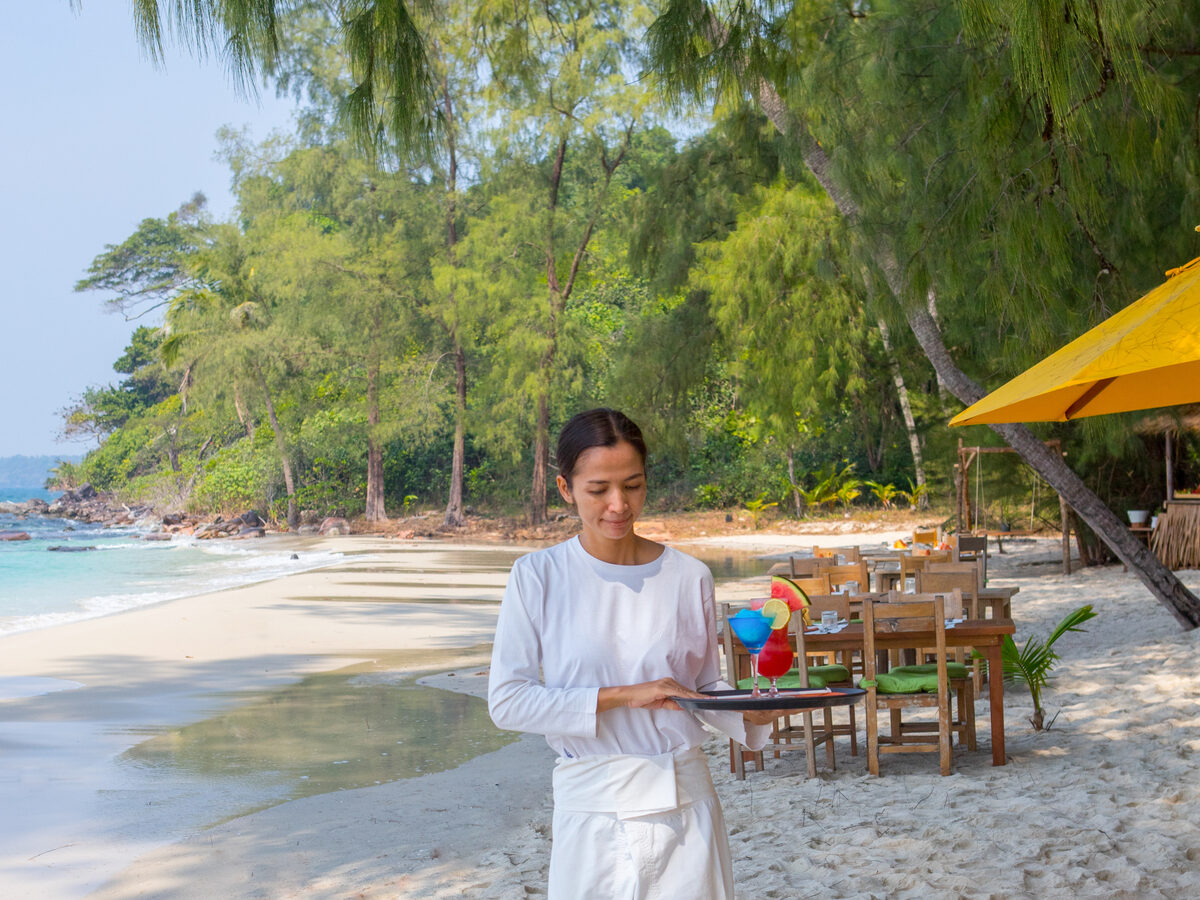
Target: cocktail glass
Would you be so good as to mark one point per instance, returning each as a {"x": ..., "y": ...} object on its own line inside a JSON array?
[
  {"x": 752, "y": 629},
  {"x": 776, "y": 657}
]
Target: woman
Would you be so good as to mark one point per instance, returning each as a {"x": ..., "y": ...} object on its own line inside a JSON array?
[{"x": 595, "y": 636}]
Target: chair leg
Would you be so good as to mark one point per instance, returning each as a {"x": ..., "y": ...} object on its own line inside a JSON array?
[
  {"x": 810, "y": 747},
  {"x": 872, "y": 735},
  {"x": 829, "y": 748},
  {"x": 853, "y": 732},
  {"x": 944, "y": 733},
  {"x": 970, "y": 717}
]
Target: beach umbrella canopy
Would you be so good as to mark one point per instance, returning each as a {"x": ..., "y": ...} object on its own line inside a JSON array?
[{"x": 1144, "y": 356}]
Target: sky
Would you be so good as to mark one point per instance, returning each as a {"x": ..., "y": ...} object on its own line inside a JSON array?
[{"x": 96, "y": 138}]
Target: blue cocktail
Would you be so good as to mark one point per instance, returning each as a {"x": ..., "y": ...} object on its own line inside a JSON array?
[{"x": 752, "y": 629}]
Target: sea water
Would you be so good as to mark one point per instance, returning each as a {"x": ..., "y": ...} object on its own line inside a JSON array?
[{"x": 100, "y": 570}]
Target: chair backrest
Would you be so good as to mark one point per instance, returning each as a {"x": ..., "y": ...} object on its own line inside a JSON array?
[
  {"x": 927, "y": 615},
  {"x": 840, "y": 575},
  {"x": 816, "y": 584},
  {"x": 973, "y": 568},
  {"x": 781, "y": 568},
  {"x": 806, "y": 567},
  {"x": 838, "y": 554},
  {"x": 925, "y": 536},
  {"x": 968, "y": 547},
  {"x": 939, "y": 582},
  {"x": 737, "y": 658},
  {"x": 952, "y": 600},
  {"x": 819, "y": 603}
]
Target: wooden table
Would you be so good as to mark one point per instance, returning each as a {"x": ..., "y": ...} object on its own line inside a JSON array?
[{"x": 985, "y": 635}]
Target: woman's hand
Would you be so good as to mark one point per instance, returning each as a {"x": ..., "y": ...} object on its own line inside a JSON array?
[
  {"x": 647, "y": 695},
  {"x": 762, "y": 716}
]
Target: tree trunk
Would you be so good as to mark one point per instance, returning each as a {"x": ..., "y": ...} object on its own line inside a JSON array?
[
  {"x": 910, "y": 424},
  {"x": 454, "y": 507},
  {"x": 1158, "y": 579},
  {"x": 454, "y": 517},
  {"x": 791, "y": 458},
  {"x": 376, "y": 510},
  {"x": 293, "y": 515},
  {"x": 541, "y": 444},
  {"x": 243, "y": 416},
  {"x": 931, "y": 305}
]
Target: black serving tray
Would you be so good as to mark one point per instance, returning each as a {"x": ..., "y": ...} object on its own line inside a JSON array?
[{"x": 793, "y": 698}]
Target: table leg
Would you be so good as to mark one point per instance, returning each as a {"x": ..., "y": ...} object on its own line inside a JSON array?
[{"x": 996, "y": 702}]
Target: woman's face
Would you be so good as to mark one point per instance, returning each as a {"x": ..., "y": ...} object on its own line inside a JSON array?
[{"x": 608, "y": 488}]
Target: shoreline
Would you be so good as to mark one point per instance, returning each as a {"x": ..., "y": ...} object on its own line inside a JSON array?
[{"x": 84, "y": 822}]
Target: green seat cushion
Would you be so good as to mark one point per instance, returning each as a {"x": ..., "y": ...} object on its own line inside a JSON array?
[
  {"x": 913, "y": 679},
  {"x": 827, "y": 675},
  {"x": 818, "y": 677}
]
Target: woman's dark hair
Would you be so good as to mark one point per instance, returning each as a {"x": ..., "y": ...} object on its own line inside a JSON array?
[{"x": 595, "y": 428}]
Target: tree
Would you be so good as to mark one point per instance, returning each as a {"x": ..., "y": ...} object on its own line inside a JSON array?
[
  {"x": 740, "y": 49},
  {"x": 148, "y": 268},
  {"x": 568, "y": 114},
  {"x": 225, "y": 329},
  {"x": 805, "y": 349}
]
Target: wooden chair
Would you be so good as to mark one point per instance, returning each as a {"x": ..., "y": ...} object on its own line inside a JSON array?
[
  {"x": 816, "y": 584},
  {"x": 972, "y": 568},
  {"x": 938, "y": 581},
  {"x": 964, "y": 588},
  {"x": 968, "y": 548},
  {"x": 846, "y": 554},
  {"x": 929, "y": 616},
  {"x": 842, "y": 575},
  {"x": 925, "y": 536},
  {"x": 846, "y": 608},
  {"x": 784, "y": 736},
  {"x": 911, "y": 565},
  {"x": 807, "y": 567}
]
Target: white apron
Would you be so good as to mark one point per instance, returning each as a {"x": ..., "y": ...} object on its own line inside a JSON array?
[{"x": 638, "y": 827}]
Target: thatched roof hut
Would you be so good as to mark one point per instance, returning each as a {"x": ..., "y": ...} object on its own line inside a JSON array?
[{"x": 1176, "y": 540}]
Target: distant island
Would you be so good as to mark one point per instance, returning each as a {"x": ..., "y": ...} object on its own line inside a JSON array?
[{"x": 18, "y": 472}]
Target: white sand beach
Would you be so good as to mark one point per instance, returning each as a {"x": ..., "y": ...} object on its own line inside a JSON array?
[{"x": 1105, "y": 803}]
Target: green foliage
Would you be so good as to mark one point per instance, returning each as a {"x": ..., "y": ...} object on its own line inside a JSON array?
[
  {"x": 1032, "y": 663},
  {"x": 758, "y": 507},
  {"x": 884, "y": 493},
  {"x": 830, "y": 485},
  {"x": 709, "y": 496},
  {"x": 237, "y": 478},
  {"x": 914, "y": 494}
]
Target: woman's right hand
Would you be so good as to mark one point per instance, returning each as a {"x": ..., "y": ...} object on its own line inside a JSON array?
[{"x": 647, "y": 695}]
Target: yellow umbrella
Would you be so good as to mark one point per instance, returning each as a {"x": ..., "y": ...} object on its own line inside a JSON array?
[{"x": 1146, "y": 355}]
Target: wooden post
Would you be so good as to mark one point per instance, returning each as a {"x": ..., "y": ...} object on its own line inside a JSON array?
[
  {"x": 958, "y": 491},
  {"x": 1065, "y": 513},
  {"x": 1170, "y": 467}
]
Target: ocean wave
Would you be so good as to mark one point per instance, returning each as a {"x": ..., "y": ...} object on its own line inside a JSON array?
[{"x": 238, "y": 568}]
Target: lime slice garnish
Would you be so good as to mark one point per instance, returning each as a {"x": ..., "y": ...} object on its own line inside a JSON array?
[{"x": 777, "y": 611}]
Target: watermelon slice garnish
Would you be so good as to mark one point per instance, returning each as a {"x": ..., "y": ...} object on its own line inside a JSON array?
[{"x": 783, "y": 588}]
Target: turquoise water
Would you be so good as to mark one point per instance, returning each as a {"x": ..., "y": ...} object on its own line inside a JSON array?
[{"x": 107, "y": 570}]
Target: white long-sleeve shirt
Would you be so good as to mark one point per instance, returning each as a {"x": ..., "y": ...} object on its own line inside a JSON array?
[{"x": 571, "y": 624}]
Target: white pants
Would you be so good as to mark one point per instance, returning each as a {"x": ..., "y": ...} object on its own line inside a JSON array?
[{"x": 610, "y": 854}]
